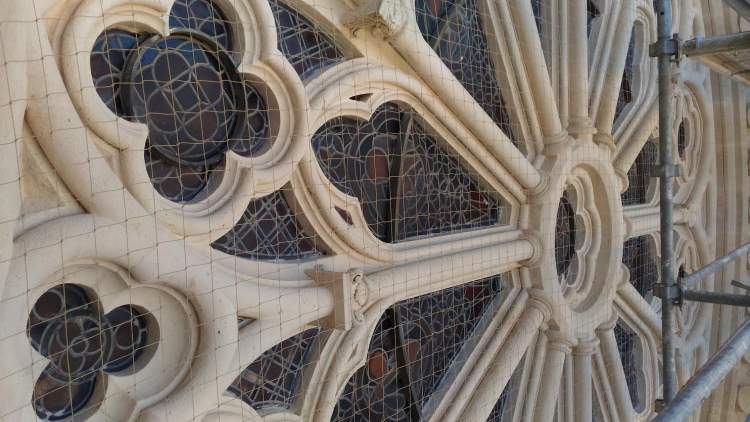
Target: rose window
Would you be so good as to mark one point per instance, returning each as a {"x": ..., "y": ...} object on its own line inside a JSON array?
[{"x": 357, "y": 210}]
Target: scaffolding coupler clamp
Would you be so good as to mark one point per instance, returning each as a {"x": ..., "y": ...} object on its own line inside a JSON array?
[
  {"x": 674, "y": 292},
  {"x": 673, "y": 170},
  {"x": 670, "y": 46}
]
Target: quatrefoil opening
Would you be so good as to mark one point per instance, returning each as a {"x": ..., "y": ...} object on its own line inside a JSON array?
[
  {"x": 83, "y": 345},
  {"x": 186, "y": 89}
]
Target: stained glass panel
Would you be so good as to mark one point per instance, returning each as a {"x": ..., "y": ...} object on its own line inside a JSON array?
[
  {"x": 108, "y": 58},
  {"x": 303, "y": 43},
  {"x": 565, "y": 236},
  {"x": 204, "y": 17},
  {"x": 454, "y": 29},
  {"x": 414, "y": 345},
  {"x": 186, "y": 90},
  {"x": 627, "y": 345},
  {"x": 627, "y": 94},
  {"x": 273, "y": 380},
  {"x": 269, "y": 230},
  {"x": 639, "y": 176},
  {"x": 434, "y": 327},
  {"x": 374, "y": 393},
  {"x": 639, "y": 255},
  {"x": 408, "y": 186}
]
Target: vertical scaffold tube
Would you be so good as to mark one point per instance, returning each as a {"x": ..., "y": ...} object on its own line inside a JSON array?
[{"x": 666, "y": 166}]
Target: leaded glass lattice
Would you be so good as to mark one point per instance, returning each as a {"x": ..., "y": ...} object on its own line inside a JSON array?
[
  {"x": 640, "y": 183},
  {"x": 269, "y": 230},
  {"x": 304, "y": 44},
  {"x": 626, "y": 94},
  {"x": 273, "y": 380},
  {"x": 408, "y": 186},
  {"x": 82, "y": 344},
  {"x": 187, "y": 91},
  {"x": 627, "y": 345},
  {"x": 204, "y": 17},
  {"x": 639, "y": 255},
  {"x": 414, "y": 344},
  {"x": 454, "y": 30}
]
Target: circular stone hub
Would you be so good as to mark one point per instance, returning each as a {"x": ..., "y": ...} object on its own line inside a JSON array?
[{"x": 581, "y": 215}]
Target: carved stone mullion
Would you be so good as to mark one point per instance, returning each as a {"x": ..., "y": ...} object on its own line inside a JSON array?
[
  {"x": 421, "y": 277},
  {"x": 580, "y": 124},
  {"x": 559, "y": 347},
  {"x": 642, "y": 221},
  {"x": 536, "y": 66},
  {"x": 582, "y": 375},
  {"x": 497, "y": 377},
  {"x": 621, "y": 20},
  {"x": 614, "y": 377}
]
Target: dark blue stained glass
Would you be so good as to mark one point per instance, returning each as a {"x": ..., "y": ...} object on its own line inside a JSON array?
[
  {"x": 433, "y": 328},
  {"x": 414, "y": 344},
  {"x": 435, "y": 195},
  {"x": 536, "y": 7},
  {"x": 187, "y": 96},
  {"x": 454, "y": 29},
  {"x": 176, "y": 182},
  {"x": 565, "y": 236},
  {"x": 374, "y": 393},
  {"x": 626, "y": 95},
  {"x": 253, "y": 136},
  {"x": 639, "y": 176},
  {"x": 407, "y": 185},
  {"x": 269, "y": 230},
  {"x": 307, "y": 47},
  {"x": 273, "y": 380},
  {"x": 359, "y": 158},
  {"x": 109, "y": 56},
  {"x": 67, "y": 327},
  {"x": 627, "y": 345},
  {"x": 204, "y": 17},
  {"x": 187, "y": 91},
  {"x": 639, "y": 255}
]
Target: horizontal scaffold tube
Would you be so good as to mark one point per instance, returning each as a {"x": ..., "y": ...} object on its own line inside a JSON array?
[
  {"x": 700, "y": 386},
  {"x": 718, "y": 44},
  {"x": 716, "y": 265}
]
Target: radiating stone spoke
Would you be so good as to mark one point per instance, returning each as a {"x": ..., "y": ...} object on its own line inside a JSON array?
[
  {"x": 641, "y": 221},
  {"x": 610, "y": 379}
]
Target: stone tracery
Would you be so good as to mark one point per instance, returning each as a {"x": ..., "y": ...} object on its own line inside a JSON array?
[{"x": 186, "y": 167}]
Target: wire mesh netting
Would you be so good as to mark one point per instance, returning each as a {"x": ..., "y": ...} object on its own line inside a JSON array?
[{"x": 330, "y": 210}]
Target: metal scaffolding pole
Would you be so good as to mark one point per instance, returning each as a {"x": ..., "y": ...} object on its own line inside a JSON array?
[
  {"x": 718, "y": 298},
  {"x": 664, "y": 49},
  {"x": 674, "y": 406},
  {"x": 716, "y": 265},
  {"x": 708, "y": 377},
  {"x": 720, "y": 44},
  {"x": 742, "y": 7}
]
